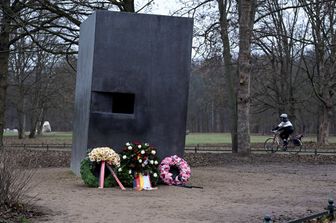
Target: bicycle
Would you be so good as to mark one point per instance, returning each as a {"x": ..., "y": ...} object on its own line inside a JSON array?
[{"x": 273, "y": 144}]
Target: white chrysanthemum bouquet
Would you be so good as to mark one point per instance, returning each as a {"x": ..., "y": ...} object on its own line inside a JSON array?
[{"x": 104, "y": 154}]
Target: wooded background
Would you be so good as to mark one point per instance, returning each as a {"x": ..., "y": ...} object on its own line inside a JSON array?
[{"x": 252, "y": 61}]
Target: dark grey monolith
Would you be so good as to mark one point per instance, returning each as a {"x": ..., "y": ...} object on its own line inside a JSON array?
[{"x": 132, "y": 83}]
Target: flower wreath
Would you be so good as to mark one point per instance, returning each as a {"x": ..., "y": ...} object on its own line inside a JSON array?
[
  {"x": 89, "y": 172},
  {"x": 138, "y": 157},
  {"x": 90, "y": 166},
  {"x": 104, "y": 154},
  {"x": 174, "y": 170}
]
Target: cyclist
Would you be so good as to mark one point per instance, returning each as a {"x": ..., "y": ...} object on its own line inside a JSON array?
[{"x": 285, "y": 128}]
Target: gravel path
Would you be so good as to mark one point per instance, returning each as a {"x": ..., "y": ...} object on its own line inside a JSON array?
[{"x": 233, "y": 192}]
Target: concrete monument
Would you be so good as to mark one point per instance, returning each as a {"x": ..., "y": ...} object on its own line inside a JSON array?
[{"x": 132, "y": 82}]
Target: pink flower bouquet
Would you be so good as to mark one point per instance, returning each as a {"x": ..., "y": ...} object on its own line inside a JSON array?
[{"x": 174, "y": 170}]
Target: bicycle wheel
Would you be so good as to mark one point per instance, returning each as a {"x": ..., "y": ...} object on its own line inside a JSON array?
[
  {"x": 271, "y": 146},
  {"x": 292, "y": 148}
]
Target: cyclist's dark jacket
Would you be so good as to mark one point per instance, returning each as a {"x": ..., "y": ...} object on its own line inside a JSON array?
[{"x": 286, "y": 128}]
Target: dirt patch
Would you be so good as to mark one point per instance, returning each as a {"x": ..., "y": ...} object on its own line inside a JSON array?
[
  {"x": 233, "y": 192},
  {"x": 235, "y": 189}
]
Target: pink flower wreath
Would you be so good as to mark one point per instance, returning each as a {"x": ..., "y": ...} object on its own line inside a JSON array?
[{"x": 174, "y": 170}]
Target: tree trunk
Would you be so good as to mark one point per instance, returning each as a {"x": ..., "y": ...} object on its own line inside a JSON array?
[
  {"x": 317, "y": 125},
  {"x": 323, "y": 132},
  {"x": 234, "y": 130},
  {"x": 212, "y": 121},
  {"x": 21, "y": 114},
  {"x": 39, "y": 128},
  {"x": 40, "y": 123},
  {"x": 229, "y": 74},
  {"x": 4, "y": 56},
  {"x": 218, "y": 121},
  {"x": 3, "y": 85},
  {"x": 21, "y": 125},
  {"x": 246, "y": 18},
  {"x": 243, "y": 126},
  {"x": 36, "y": 118},
  {"x": 32, "y": 133}
]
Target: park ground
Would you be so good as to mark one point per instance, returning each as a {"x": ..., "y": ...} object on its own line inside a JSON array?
[{"x": 235, "y": 190}]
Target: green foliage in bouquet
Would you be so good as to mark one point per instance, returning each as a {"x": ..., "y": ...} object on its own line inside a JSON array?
[
  {"x": 136, "y": 158},
  {"x": 126, "y": 176},
  {"x": 88, "y": 170}
]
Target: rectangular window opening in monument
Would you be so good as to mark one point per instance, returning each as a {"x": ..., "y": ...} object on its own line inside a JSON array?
[{"x": 123, "y": 103}]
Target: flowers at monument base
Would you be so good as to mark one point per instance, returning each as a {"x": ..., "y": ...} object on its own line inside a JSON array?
[
  {"x": 138, "y": 158},
  {"x": 174, "y": 170},
  {"x": 142, "y": 182},
  {"x": 93, "y": 171},
  {"x": 89, "y": 172},
  {"x": 104, "y": 154}
]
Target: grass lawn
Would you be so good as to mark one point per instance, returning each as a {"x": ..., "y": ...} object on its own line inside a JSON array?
[
  {"x": 47, "y": 138},
  {"x": 213, "y": 138},
  {"x": 191, "y": 139}
]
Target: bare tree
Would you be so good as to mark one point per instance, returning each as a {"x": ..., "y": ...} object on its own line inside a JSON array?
[
  {"x": 41, "y": 89},
  {"x": 60, "y": 19},
  {"x": 215, "y": 36},
  {"x": 247, "y": 10},
  {"x": 20, "y": 68},
  {"x": 278, "y": 37},
  {"x": 322, "y": 72},
  {"x": 224, "y": 8}
]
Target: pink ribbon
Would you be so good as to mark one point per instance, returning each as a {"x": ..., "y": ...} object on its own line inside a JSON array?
[
  {"x": 102, "y": 175},
  {"x": 116, "y": 178}
]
